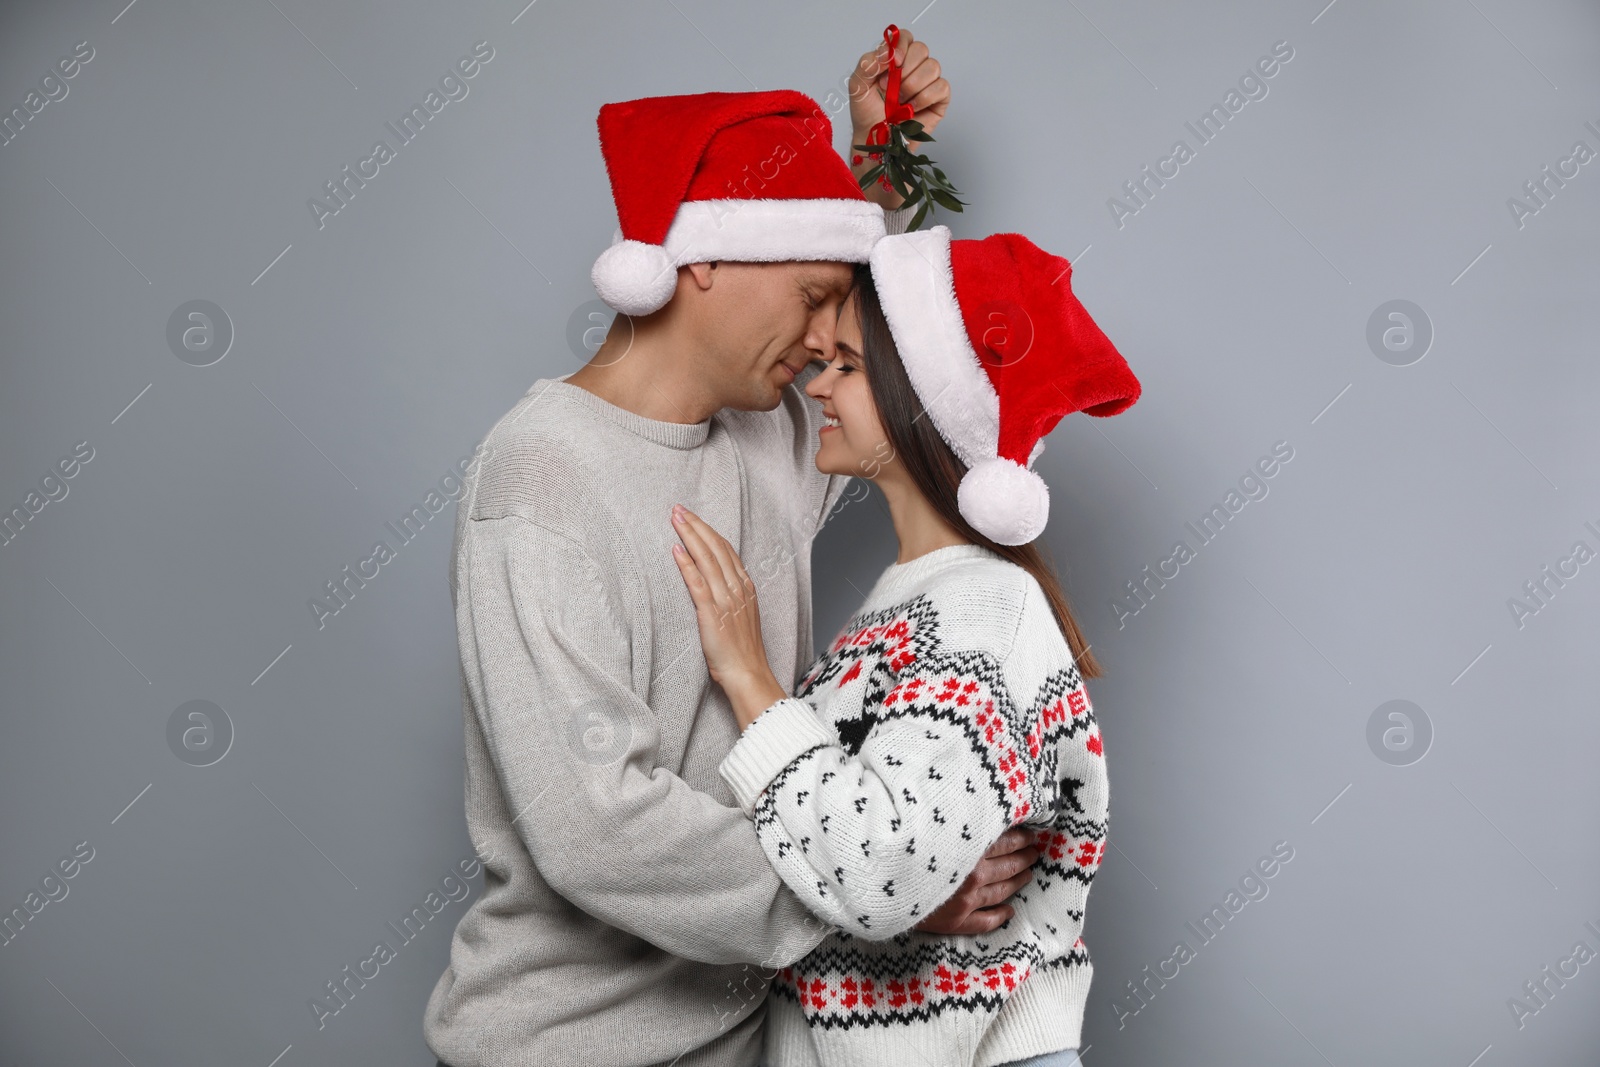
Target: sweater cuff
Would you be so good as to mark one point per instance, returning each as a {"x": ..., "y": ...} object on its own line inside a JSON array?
[
  {"x": 895, "y": 220},
  {"x": 778, "y": 737}
]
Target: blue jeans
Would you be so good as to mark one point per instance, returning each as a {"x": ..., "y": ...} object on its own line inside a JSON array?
[{"x": 1067, "y": 1057}]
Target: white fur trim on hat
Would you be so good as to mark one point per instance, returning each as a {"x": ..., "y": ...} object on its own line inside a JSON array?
[
  {"x": 1005, "y": 501},
  {"x": 773, "y": 231},
  {"x": 638, "y": 278},
  {"x": 911, "y": 272}
]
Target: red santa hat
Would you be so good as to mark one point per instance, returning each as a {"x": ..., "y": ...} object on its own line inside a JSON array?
[
  {"x": 998, "y": 350},
  {"x": 750, "y": 177}
]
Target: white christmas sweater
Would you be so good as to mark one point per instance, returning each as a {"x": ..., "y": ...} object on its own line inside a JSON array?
[{"x": 947, "y": 710}]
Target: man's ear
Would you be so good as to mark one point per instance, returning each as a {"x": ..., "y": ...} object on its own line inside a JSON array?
[{"x": 703, "y": 274}]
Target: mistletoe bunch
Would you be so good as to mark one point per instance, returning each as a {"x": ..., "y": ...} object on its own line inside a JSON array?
[{"x": 914, "y": 176}]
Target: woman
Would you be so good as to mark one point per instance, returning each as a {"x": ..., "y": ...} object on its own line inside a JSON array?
[{"x": 951, "y": 706}]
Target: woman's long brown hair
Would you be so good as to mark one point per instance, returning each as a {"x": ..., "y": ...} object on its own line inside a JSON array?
[{"x": 935, "y": 469}]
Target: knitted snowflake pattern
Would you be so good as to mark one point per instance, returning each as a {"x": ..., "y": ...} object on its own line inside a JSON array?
[{"x": 1039, "y": 766}]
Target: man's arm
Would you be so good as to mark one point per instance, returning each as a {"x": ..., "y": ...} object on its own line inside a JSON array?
[{"x": 576, "y": 749}]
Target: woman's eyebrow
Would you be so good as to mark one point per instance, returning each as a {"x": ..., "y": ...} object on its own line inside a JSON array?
[{"x": 847, "y": 350}]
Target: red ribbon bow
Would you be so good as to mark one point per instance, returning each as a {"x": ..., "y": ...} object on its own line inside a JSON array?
[{"x": 893, "y": 110}]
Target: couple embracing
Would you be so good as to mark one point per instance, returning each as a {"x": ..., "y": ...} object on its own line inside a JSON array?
[{"x": 708, "y": 847}]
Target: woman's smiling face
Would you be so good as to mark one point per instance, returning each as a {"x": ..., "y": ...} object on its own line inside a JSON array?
[{"x": 853, "y": 441}]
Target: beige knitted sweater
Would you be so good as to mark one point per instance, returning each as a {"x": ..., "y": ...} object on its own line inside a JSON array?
[{"x": 629, "y": 914}]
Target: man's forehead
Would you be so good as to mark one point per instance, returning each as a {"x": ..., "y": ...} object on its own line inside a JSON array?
[{"x": 832, "y": 277}]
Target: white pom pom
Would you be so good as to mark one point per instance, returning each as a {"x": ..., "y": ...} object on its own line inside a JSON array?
[
  {"x": 635, "y": 278},
  {"x": 1004, "y": 501}
]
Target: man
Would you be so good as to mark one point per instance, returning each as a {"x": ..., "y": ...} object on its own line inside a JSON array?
[{"x": 628, "y": 908}]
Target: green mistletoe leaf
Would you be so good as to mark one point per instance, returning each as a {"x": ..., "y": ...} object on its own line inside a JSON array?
[{"x": 916, "y": 178}]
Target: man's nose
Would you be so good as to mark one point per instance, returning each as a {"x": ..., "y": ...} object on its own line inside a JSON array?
[{"x": 819, "y": 338}]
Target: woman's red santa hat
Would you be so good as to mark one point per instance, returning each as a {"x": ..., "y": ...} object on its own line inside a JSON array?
[
  {"x": 998, "y": 350},
  {"x": 750, "y": 177}
]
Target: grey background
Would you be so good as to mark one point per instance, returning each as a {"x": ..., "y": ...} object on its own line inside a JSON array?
[{"x": 377, "y": 350}]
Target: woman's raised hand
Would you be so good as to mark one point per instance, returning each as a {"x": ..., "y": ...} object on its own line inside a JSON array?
[{"x": 730, "y": 620}]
